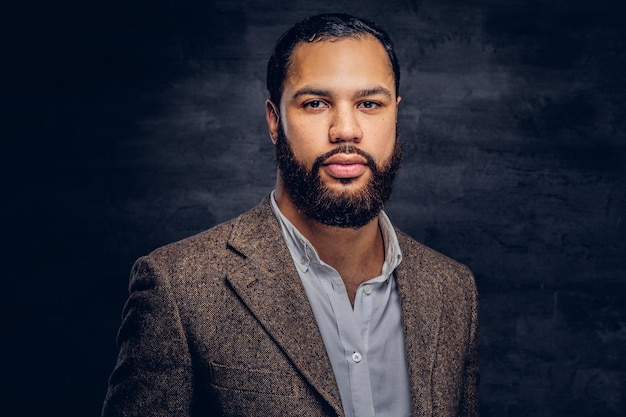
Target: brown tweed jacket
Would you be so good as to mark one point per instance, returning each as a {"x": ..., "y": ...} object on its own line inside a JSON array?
[{"x": 219, "y": 325}]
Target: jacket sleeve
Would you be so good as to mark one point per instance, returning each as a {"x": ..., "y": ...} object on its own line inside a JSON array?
[
  {"x": 153, "y": 375},
  {"x": 469, "y": 389}
]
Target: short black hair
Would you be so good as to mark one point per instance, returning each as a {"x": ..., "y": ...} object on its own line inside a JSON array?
[{"x": 318, "y": 28}]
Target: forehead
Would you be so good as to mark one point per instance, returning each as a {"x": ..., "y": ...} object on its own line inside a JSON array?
[{"x": 340, "y": 62}]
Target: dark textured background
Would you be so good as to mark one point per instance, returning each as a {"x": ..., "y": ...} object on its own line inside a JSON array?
[{"x": 129, "y": 124}]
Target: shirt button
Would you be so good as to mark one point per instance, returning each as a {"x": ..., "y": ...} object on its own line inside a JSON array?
[
  {"x": 303, "y": 260},
  {"x": 356, "y": 356},
  {"x": 367, "y": 289}
]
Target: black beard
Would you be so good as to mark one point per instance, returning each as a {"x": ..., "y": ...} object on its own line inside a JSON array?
[{"x": 347, "y": 209}]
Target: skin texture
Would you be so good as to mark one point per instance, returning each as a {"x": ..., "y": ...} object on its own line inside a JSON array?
[{"x": 338, "y": 92}]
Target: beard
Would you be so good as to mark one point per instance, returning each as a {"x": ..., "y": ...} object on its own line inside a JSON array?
[{"x": 344, "y": 208}]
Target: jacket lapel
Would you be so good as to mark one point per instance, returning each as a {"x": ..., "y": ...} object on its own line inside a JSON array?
[
  {"x": 268, "y": 283},
  {"x": 421, "y": 305}
]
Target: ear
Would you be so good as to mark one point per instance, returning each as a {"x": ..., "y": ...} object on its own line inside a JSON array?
[
  {"x": 273, "y": 119},
  {"x": 398, "y": 99}
]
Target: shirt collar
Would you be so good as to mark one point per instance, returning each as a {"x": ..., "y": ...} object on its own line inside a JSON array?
[{"x": 303, "y": 252}]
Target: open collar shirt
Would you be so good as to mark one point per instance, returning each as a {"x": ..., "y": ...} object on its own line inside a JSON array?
[{"x": 365, "y": 344}]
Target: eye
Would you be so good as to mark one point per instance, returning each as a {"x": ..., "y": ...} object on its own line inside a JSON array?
[
  {"x": 314, "y": 104},
  {"x": 369, "y": 105}
]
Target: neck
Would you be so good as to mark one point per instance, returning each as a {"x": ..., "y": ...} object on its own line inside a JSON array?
[{"x": 356, "y": 254}]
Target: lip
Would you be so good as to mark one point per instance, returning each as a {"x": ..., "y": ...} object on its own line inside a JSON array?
[{"x": 345, "y": 166}]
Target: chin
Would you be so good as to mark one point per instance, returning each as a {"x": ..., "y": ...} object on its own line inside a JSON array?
[
  {"x": 350, "y": 188},
  {"x": 347, "y": 184}
]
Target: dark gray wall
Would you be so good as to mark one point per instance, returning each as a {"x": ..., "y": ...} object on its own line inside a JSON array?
[{"x": 131, "y": 124}]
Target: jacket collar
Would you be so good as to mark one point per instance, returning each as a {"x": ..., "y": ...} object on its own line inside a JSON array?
[{"x": 269, "y": 285}]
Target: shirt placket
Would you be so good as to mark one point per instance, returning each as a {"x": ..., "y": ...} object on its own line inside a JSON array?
[{"x": 352, "y": 326}]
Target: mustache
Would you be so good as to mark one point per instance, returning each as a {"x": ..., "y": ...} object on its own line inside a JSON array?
[{"x": 345, "y": 148}]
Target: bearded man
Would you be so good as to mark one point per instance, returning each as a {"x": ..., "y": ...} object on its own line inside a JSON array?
[{"x": 312, "y": 303}]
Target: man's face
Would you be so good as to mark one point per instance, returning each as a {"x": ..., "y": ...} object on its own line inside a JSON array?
[{"x": 337, "y": 147}]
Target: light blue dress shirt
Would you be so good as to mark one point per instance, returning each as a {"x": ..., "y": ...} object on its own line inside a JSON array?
[{"x": 365, "y": 344}]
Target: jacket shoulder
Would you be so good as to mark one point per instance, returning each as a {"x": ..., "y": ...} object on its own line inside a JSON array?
[{"x": 210, "y": 250}]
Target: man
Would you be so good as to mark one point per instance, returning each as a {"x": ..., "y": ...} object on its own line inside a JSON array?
[{"x": 310, "y": 304}]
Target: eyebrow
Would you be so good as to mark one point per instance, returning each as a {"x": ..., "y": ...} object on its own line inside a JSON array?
[
  {"x": 373, "y": 92},
  {"x": 359, "y": 94},
  {"x": 310, "y": 92}
]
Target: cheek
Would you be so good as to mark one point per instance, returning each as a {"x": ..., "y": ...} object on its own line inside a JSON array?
[
  {"x": 382, "y": 136},
  {"x": 306, "y": 139},
  {"x": 299, "y": 146},
  {"x": 309, "y": 128},
  {"x": 292, "y": 126}
]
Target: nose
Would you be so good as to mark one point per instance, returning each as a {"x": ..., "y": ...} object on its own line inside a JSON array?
[{"x": 345, "y": 126}]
